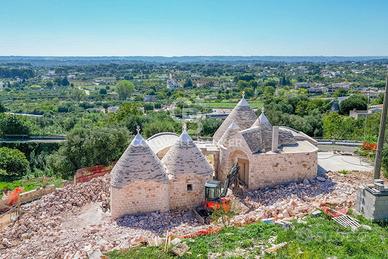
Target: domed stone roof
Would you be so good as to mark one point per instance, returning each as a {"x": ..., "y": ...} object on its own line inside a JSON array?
[
  {"x": 184, "y": 157},
  {"x": 138, "y": 162},
  {"x": 242, "y": 115}
]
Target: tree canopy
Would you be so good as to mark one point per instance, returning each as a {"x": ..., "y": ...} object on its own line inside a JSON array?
[
  {"x": 358, "y": 102},
  {"x": 13, "y": 125},
  {"x": 87, "y": 147},
  {"x": 13, "y": 164},
  {"x": 124, "y": 88}
]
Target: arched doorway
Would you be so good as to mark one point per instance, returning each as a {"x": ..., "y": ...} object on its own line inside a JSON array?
[{"x": 241, "y": 159}]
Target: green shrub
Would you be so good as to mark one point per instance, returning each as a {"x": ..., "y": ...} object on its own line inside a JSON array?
[
  {"x": 358, "y": 102},
  {"x": 13, "y": 164},
  {"x": 88, "y": 147},
  {"x": 13, "y": 125}
]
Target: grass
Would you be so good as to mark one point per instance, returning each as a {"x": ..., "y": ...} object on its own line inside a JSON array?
[
  {"x": 30, "y": 184},
  {"x": 344, "y": 172},
  {"x": 318, "y": 237}
]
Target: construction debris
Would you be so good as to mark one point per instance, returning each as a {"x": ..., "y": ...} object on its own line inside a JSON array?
[
  {"x": 316, "y": 213},
  {"x": 275, "y": 248},
  {"x": 180, "y": 249},
  {"x": 75, "y": 220}
]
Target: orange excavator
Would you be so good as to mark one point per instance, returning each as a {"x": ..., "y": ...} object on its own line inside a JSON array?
[{"x": 215, "y": 195}]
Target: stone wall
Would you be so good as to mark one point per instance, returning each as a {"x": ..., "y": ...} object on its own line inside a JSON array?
[
  {"x": 270, "y": 168},
  {"x": 29, "y": 196},
  {"x": 139, "y": 197},
  {"x": 181, "y": 197}
]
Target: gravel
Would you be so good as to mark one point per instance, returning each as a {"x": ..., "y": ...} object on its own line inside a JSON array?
[{"x": 74, "y": 221}]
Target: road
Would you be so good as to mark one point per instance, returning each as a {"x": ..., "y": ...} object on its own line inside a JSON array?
[{"x": 328, "y": 161}]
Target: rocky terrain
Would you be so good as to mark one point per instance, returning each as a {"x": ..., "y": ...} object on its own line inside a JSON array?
[{"x": 74, "y": 221}]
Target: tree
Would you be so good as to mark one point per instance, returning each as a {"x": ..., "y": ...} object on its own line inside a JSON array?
[
  {"x": 358, "y": 102},
  {"x": 87, "y": 147},
  {"x": 65, "y": 82},
  {"x": 13, "y": 125},
  {"x": 188, "y": 83},
  {"x": 340, "y": 92},
  {"x": 49, "y": 84},
  {"x": 103, "y": 91},
  {"x": 209, "y": 126},
  {"x": 124, "y": 88},
  {"x": 13, "y": 164},
  {"x": 2, "y": 108}
]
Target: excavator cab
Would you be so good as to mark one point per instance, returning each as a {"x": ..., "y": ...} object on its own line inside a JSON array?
[
  {"x": 215, "y": 195},
  {"x": 212, "y": 190}
]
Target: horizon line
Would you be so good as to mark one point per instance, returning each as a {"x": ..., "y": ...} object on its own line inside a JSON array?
[{"x": 179, "y": 56}]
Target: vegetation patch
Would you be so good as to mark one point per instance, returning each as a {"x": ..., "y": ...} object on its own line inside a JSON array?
[{"x": 316, "y": 237}]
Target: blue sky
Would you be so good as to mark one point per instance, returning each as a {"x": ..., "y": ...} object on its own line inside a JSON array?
[{"x": 193, "y": 27}]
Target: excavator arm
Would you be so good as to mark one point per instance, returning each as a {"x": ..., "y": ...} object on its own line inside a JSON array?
[{"x": 230, "y": 179}]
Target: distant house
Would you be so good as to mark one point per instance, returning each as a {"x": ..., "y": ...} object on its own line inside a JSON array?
[
  {"x": 302, "y": 85},
  {"x": 95, "y": 110},
  {"x": 219, "y": 113},
  {"x": 113, "y": 108},
  {"x": 344, "y": 85},
  {"x": 172, "y": 83},
  {"x": 376, "y": 108},
  {"x": 357, "y": 114},
  {"x": 150, "y": 98},
  {"x": 317, "y": 90}
]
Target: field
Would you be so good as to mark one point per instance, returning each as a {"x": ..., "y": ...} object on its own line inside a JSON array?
[
  {"x": 228, "y": 104},
  {"x": 30, "y": 184},
  {"x": 315, "y": 237}
]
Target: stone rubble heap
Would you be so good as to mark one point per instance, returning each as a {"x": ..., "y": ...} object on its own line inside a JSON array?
[
  {"x": 296, "y": 200},
  {"x": 73, "y": 222}
]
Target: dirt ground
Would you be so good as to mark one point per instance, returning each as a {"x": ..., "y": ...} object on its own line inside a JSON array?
[{"x": 73, "y": 222}]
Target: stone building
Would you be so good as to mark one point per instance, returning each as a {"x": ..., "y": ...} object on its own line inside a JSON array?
[
  {"x": 168, "y": 171},
  {"x": 267, "y": 155},
  {"x": 188, "y": 170},
  {"x": 139, "y": 182}
]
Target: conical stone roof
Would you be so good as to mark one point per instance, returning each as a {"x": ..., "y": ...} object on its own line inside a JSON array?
[
  {"x": 242, "y": 115},
  {"x": 138, "y": 162},
  {"x": 262, "y": 121},
  {"x": 227, "y": 139},
  {"x": 184, "y": 157}
]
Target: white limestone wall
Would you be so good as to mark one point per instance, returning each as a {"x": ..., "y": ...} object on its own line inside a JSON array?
[
  {"x": 180, "y": 197},
  {"x": 139, "y": 197},
  {"x": 271, "y": 168}
]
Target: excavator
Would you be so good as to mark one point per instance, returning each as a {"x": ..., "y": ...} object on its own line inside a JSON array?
[{"x": 215, "y": 195}]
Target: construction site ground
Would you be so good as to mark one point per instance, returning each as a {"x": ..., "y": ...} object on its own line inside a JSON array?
[{"x": 74, "y": 221}]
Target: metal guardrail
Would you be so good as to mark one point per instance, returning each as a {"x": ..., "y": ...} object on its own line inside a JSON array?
[
  {"x": 32, "y": 139},
  {"x": 352, "y": 143}
]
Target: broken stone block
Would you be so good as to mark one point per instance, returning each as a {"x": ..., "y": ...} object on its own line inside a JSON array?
[
  {"x": 180, "y": 249},
  {"x": 316, "y": 213},
  {"x": 321, "y": 179},
  {"x": 175, "y": 241}
]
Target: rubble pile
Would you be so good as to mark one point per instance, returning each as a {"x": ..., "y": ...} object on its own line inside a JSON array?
[
  {"x": 296, "y": 200},
  {"x": 74, "y": 221}
]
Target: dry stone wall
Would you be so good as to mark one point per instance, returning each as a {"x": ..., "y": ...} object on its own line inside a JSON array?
[
  {"x": 270, "y": 169},
  {"x": 139, "y": 197},
  {"x": 187, "y": 191}
]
